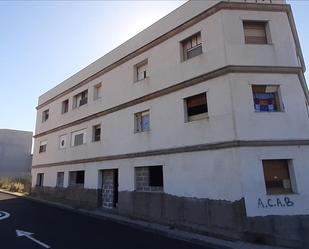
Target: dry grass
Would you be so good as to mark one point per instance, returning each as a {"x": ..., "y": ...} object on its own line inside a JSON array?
[{"x": 20, "y": 185}]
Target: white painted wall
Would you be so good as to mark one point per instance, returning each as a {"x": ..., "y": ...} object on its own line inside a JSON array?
[
  {"x": 291, "y": 123},
  {"x": 228, "y": 174},
  {"x": 167, "y": 23},
  {"x": 221, "y": 47},
  {"x": 253, "y": 180},
  {"x": 199, "y": 174},
  {"x": 231, "y": 116},
  {"x": 167, "y": 126},
  {"x": 165, "y": 69},
  {"x": 280, "y": 52}
]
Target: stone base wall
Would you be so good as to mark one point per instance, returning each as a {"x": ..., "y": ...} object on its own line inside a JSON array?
[
  {"x": 212, "y": 217},
  {"x": 202, "y": 215},
  {"x": 216, "y": 217},
  {"x": 77, "y": 197},
  {"x": 289, "y": 231}
]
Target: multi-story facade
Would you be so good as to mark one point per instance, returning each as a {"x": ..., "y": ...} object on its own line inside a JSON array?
[{"x": 201, "y": 120}]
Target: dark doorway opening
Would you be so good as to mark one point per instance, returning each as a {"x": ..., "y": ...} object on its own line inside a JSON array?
[
  {"x": 115, "y": 197},
  {"x": 109, "y": 188}
]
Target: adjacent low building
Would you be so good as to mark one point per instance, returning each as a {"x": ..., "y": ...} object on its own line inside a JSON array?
[
  {"x": 200, "y": 121},
  {"x": 15, "y": 154}
]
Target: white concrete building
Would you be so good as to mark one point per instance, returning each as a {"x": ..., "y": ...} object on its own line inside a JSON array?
[
  {"x": 201, "y": 120},
  {"x": 15, "y": 154}
]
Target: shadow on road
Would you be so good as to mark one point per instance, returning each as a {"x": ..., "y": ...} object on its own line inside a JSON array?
[{"x": 64, "y": 229}]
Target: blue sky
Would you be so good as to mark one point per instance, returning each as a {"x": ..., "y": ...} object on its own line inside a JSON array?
[{"x": 43, "y": 43}]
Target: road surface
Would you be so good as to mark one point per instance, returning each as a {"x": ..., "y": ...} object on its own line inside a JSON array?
[{"x": 44, "y": 226}]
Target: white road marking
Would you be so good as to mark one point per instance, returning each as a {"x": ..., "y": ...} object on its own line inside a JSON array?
[
  {"x": 21, "y": 233},
  {"x": 4, "y": 215}
]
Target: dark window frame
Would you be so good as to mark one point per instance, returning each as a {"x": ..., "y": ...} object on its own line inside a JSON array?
[
  {"x": 45, "y": 115},
  {"x": 196, "y": 107},
  {"x": 137, "y": 68},
  {"x": 77, "y": 141},
  {"x": 155, "y": 176},
  {"x": 139, "y": 121},
  {"x": 277, "y": 176},
  {"x": 256, "y": 25},
  {"x": 97, "y": 91},
  {"x": 83, "y": 99},
  {"x": 76, "y": 178},
  {"x": 96, "y": 133},
  {"x": 58, "y": 183},
  {"x": 265, "y": 101},
  {"x": 80, "y": 177},
  {"x": 194, "y": 49},
  {"x": 74, "y": 140},
  {"x": 65, "y": 106},
  {"x": 43, "y": 147},
  {"x": 40, "y": 180}
]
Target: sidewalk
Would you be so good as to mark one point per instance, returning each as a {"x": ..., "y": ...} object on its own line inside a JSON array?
[{"x": 154, "y": 228}]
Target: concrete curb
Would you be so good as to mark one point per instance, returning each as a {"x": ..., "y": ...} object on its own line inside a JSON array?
[
  {"x": 162, "y": 230},
  {"x": 12, "y": 193}
]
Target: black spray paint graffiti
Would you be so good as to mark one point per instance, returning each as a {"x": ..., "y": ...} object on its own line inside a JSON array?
[{"x": 277, "y": 202}]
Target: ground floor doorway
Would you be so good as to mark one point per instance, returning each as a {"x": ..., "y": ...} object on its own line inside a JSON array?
[{"x": 110, "y": 188}]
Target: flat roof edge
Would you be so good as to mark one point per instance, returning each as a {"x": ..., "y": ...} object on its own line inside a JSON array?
[{"x": 180, "y": 15}]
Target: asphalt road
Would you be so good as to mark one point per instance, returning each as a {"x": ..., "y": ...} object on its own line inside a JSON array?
[{"x": 63, "y": 229}]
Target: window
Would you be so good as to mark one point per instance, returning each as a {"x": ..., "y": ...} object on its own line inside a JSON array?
[
  {"x": 65, "y": 106},
  {"x": 76, "y": 178},
  {"x": 62, "y": 141},
  {"x": 43, "y": 146},
  {"x": 266, "y": 98},
  {"x": 40, "y": 179},
  {"x": 96, "y": 133},
  {"x": 97, "y": 91},
  {"x": 255, "y": 32},
  {"x": 142, "y": 122},
  {"x": 155, "y": 176},
  {"x": 60, "y": 179},
  {"x": 45, "y": 115},
  {"x": 141, "y": 71},
  {"x": 78, "y": 138},
  {"x": 80, "y": 99},
  {"x": 196, "y": 107},
  {"x": 277, "y": 176},
  {"x": 192, "y": 46},
  {"x": 149, "y": 178}
]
